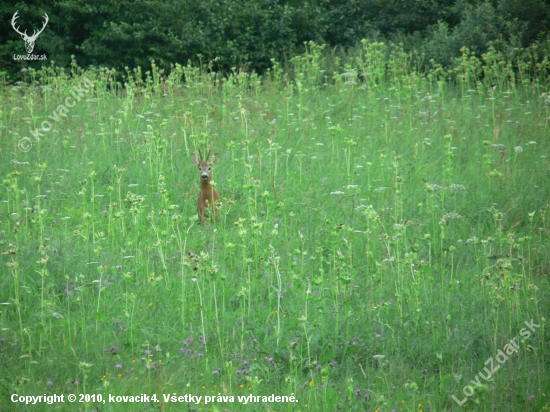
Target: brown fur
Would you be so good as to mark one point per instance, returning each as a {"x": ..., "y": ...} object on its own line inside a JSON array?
[{"x": 208, "y": 196}]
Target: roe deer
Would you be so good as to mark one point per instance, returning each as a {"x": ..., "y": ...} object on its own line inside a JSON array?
[{"x": 208, "y": 195}]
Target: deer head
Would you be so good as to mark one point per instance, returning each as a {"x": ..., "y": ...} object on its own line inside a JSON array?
[
  {"x": 203, "y": 165},
  {"x": 29, "y": 40}
]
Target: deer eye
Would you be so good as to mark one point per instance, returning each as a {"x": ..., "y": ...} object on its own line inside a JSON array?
[{"x": 209, "y": 168}]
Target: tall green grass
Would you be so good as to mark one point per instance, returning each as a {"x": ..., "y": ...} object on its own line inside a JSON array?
[{"x": 383, "y": 233}]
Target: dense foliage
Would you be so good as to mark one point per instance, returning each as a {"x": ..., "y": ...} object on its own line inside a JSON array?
[{"x": 248, "y": 34}]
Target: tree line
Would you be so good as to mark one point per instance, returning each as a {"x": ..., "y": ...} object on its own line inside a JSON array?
[{"x": 248, "y": 34}]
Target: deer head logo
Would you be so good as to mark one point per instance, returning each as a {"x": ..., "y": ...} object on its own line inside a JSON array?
[{"x": 29, "y": 40}]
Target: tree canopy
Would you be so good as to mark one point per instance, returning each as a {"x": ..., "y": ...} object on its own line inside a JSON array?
[{"x": 250, "y": 33}]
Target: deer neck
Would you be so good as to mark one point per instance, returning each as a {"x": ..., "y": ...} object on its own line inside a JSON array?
[{"x": 206, "y": 187}]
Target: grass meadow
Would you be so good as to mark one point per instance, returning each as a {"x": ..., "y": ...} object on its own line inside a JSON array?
[{"x": 383, "y": 238}]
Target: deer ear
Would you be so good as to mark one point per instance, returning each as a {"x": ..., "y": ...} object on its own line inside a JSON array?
[
  {"x": 215, "y": 159},
  {"x": 194, "y": 159}
]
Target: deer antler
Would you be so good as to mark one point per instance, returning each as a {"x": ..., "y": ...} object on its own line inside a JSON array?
[
  {"x": 209, "y": 153},
  {"x": 200, "y": 153},
  {"x": 36, "y": 32},
  {"x": 15, "y": 17}
]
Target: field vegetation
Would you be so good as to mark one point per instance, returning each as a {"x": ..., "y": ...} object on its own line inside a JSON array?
[{"x": 383, "y": 236}]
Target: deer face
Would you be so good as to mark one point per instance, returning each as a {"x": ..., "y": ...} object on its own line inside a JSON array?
[
  {"x": 29, "y": 45},
  {"x": 205, "y": 167}
]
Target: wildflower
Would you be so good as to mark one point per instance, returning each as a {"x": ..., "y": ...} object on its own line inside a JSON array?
[
  {"x": 118, "y": 366},
  {"x": 246, "y": 363},
  {"x": 182, "y": 351},
  {"x": 358, "y": 392},
  {"x": 270, "y": 360},
  {"x": 319, "y": 367},
  {"x": 49, "y": 383},
  {"x": 244, "y": 371},
  {"x": 114, "y": 350},
  {"x": 119, "y": 267},
  {"x": 147, "y": 352},
  {"x": 75, "y": 383}
]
